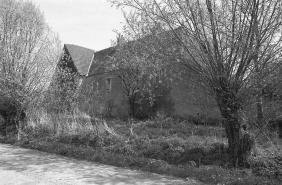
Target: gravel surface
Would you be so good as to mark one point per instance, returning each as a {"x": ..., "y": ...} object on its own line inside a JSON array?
[{"x": 20, "y": 166}]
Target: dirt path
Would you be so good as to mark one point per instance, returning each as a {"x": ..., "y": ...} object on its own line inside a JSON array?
[{"x": 30, "y": 167}]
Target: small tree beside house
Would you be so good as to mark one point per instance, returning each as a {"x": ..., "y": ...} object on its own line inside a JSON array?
[{"x": 140, "y": 79}]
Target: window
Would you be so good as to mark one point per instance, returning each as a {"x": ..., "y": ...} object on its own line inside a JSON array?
[{"x": 109, "y": 84}]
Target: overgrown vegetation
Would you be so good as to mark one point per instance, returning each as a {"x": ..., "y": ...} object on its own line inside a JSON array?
[
  {"x": 144, "y": 86},
  {"x": 162, "y": 145}
]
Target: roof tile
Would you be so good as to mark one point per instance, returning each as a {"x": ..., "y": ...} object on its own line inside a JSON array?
[
  {"x": 100, "y": 57},
  {"x": 81, "y": 57}
]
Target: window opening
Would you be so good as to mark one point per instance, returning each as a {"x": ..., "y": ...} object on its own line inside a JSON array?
[{"x": 109, "y": 84}]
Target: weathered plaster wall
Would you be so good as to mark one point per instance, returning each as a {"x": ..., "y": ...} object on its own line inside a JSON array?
[
  {"x": 188, "y": 97},
  {"x": 111, "y": 102},
  {"x": 192, "y": 99}
]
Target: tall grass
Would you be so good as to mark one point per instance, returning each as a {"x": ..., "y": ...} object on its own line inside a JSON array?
[
  {"x": 65, "y": 127},
  {"x": 166, "y": 141}
]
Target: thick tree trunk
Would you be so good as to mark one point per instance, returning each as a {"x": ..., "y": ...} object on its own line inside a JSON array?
[
  {"x": 132, "y": 107},
  {"x": 132, "y": 104},
  {"x": 232, "y": 127},
  {"x": 231, "y": 107}
]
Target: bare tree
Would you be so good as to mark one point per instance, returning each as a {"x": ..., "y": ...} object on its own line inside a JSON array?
[
  {"x": 139, "y": 73},
  {"x": 62, "y": 92},
  {"x": 28, "y": 52},
  {"x": 226, "y": 43},
  {"x": 130, "y": 65}
]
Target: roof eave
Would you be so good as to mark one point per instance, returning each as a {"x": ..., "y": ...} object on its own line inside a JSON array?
[{"x": 90, "y": 64}]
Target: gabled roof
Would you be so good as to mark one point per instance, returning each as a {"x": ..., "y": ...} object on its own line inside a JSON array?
[
  {"x": 81, "y": 57},
  {"x": 102, "y": 55},
  {"x": 99, "y": 59}
]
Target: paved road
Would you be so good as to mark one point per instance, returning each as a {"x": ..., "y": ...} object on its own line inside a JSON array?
[{"x": 30, "y": 167}]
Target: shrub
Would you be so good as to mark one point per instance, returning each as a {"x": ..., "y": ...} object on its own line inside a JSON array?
[
  {"x": 200, "y": 120},
  {"x": 151, "y": 102},
  {"x": 276, "y": 125},
  {"x": 152, "y": 151},
  {"x": 205, "y": 155},
  {"x": 267, "y": 167},
  {"x": 121, "y": 148}
]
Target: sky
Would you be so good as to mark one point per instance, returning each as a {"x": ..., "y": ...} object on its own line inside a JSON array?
[{"x": 87, "y": 23}]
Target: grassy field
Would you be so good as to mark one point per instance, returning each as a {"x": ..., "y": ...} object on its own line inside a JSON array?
[{"x": 163, "y": 145}]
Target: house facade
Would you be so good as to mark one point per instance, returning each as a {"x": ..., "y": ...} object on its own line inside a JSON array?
[
  {"x": 102, "y": 93},
  {"x": 187, "y": 96}
]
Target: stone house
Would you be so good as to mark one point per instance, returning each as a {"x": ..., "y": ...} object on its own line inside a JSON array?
[{"x": 105, "y": 90}]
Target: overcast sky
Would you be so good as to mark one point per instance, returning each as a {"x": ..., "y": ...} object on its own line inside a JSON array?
[{"x": 87, "y": 23}]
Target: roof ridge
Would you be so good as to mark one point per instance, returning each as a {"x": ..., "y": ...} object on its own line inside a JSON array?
[
  {"x": 81, "y": 57},
  {"x": 79, "y": 46},
  {"x": 88, "y": 70},
  {"x": 112, "y": 47}
]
